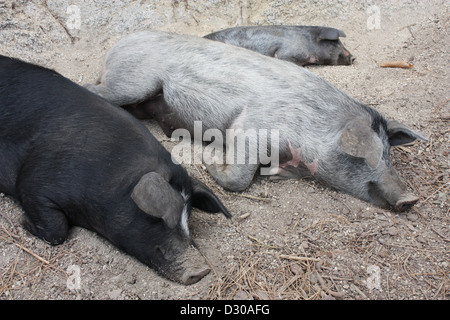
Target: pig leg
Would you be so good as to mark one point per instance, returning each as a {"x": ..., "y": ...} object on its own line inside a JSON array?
[
  {"x": 117, "y": 96},
  {"x": 236, "y": 171},
  {"x": 104, "y": 92},
  {"x": 157, "y": 108},
  {"x": 44, "y": 219},
  {"x": 233, "y": 177},
  {"x": 148, "y": 109},
  {"x": 123, "y": 89}
]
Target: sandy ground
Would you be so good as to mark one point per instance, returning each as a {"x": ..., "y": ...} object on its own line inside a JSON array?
[{"x": 289, "y": 239}]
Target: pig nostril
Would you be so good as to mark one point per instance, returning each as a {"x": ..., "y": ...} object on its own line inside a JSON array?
[
  {"x": 404, "y": 206},
  {"x": 194, "y": 277},
  {"x": 406, "y": 202}
]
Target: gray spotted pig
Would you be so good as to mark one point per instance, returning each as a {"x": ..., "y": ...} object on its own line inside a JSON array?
[{"x": 180, "y": 80}]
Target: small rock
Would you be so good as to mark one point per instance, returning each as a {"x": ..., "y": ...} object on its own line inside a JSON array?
[
  {"x": 412, "y": 217},
  {"x": 366, "y": 214},
  {"x": 304, "y": 245},
  {"x": 240, "y": 295},
  {"x": 262, "y": 295},
  {"x": 392, "y": 231},
  {"x": 114, "y": 294},
  {"x": 296, "y": 269}
]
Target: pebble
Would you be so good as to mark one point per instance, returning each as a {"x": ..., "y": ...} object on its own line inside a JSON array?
[
  {"x": 114, "y": 294},
  {"x": 366, "y": 214},
  {"x": 296, "y": 269},
  {"x": 392, "y": 231},
  {"x": 304, "y": 245},
  {"x": 241, "y": 295},
  {"x": 412, "y": 217}
]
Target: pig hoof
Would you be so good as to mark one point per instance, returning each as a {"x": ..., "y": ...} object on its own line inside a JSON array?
[
  {"x": 193, "y": 276},
  {"x": 405, "y": 202}
]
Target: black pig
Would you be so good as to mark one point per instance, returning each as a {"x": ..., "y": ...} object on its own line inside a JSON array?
[
  {"x": 301, "y": 45},
  {"x": 71, "y": 158}
]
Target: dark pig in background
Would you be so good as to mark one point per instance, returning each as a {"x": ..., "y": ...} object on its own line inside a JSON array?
[
  {"x": 323, "y": 132},
  {"x": 301, "y": 45},
  {"x": 71, "y": 158}
]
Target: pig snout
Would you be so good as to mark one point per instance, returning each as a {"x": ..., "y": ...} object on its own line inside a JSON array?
[
  {"x": 345, "y": 58},
  {"x": 194, "y": 275},
  {"x": 406, "y": 201},
  {"x": 190, "y": 267},
  {"x": 392, "y": 192}
]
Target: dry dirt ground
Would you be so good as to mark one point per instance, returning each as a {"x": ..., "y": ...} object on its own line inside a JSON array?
[{"x": 289, "y": 239}]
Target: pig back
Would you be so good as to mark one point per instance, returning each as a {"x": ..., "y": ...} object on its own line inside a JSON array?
[
  {"x": 220, "y": 84},
  {"x": 53, "y": 128}
]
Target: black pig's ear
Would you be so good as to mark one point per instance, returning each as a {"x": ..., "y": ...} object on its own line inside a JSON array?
[
  {"x": 331, "y": 34},
  {"x": 154, "y": 195},
  {"x": 400, "y": 134},
  {"x": 204, "y": 199}
]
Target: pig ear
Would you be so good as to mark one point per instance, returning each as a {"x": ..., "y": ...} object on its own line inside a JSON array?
[
  {"x": 154, "y": 195},
  {"x": 331, "y": 34},
  {"x": 400, "y": 134},
  {"x": 359, "y": 140},
  {"x": 204, "y": 199}
]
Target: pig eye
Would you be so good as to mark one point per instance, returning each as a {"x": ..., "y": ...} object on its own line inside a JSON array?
[{"x": 159, "y": 252}]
